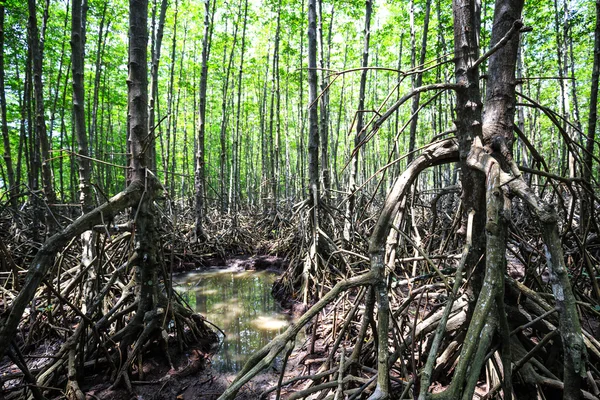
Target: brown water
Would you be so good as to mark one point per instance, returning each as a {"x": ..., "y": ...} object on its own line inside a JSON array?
[{"x": 240, "y": 303}]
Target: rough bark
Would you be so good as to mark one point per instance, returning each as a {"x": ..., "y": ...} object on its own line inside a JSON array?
[
  {"x": 313, "y": 142},
  {"x": 146, "y": 235},
  {"x": 468, "y": 125}
]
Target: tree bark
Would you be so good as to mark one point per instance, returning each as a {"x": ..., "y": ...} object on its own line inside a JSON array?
[
  {"x": 199, "y": 173},
  {"x": 590, "y": 143},
  {"x": 235, "y": 156},
  {"x": 12, "y": 188},
  {"x": 468, "y": 125},
  {"x": 77, "y": 40},
  {"x": 358, "y": 139},
  {"x": 418, "y": 81},
  {"x": 156, "y": 48},
  {"x": 40, "y": 121}
]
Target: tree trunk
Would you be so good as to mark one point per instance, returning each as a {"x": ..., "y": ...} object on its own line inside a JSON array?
[
  {"x": 224, "y": 116},
  {"x": 274, "y": 126},
  {"x": 40, "y": 120},
  {"x": 468, "y": 125},
  {"x": 313, "y": 145},
  {"x": 199, "y": 173},
  {"x": 170, "y": 100},
  {"x": 418, "y": 81},
  {"x": 12, "y": 188},
  {"x": 156, "y": 48},
  {"x": 358, "y": 140},
  {"x": 324, "y": 100},
  {"x": 77, "y": 59},
  {"x": 235, "y": 150},
  {"x": 590, "y": 144}
]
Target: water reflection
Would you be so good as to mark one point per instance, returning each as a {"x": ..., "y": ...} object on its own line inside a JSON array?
[{"x": 240, "y": 303}]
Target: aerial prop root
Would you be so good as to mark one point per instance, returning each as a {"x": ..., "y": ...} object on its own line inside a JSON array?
[{"x": 45, "y": 256}]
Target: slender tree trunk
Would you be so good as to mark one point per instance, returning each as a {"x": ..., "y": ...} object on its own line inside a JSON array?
[
  {"x": 100, "y": 45},
  {"x": 12, "y": 188},
  {"x": 77, "y": 59},
  {"x": 324, "y": 100},
  {"x": 590, "y": 144},
  {"x": 234, "y": 195},
  {"x": 224, "y": 116},
  {"x": 418, "y": 81},
  {"x": 264, "y": 143},
  {"x": 354, "y": 165},
  {"x": 301, "y": 165},
  {"x": 170, "y": 100},
  {"x": 313, "y": 144},
  {"x": 58, "y": 86},
  {"x": 396, "y": 169},
  {"x": 199, "y": 173},
  {"x": 175, "y": 118},
  {"x": 273, "y": 125},
  {"x": 40, "y": 120}
]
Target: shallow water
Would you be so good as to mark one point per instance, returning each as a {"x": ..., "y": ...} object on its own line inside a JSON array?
[{"x": 240, "y": 303}]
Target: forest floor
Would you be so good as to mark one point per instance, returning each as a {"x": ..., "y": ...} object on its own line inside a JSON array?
[{"x": 192, "y": 376}]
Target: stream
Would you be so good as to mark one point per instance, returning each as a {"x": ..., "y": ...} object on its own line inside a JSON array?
[{"x": 240, "y": 303}]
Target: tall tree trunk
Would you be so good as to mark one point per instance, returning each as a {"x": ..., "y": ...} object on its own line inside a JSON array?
[
  {"x": 146, "y": 226},
  {"x": 274, "y": 125},
  {"x": 100, "y": 45},
  {"x": 77, "y": 59},
  {"x": 264, "y": 143},
  {"x": 170, "y": 100},
  {"x": 301, "y": 165},
  {"x": 40, "y": 121},
  {"x": 324, "y": 100},
  {"x": 590, "y": 144},
  {"x": 224, "y": 116},
  {"x": 83, "y": 161},
  {"x": 57, "y": 88},
  {"x": 418, "y": 81},
  {"x": 354, "y": 165},
  {"x": 12, "y": 188},
  {"x": 199, "y": 173},
  {"x": 313, "y": 144},
  {"x": 234, "y": 195},
  {"x": 467, "y": 24}
]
